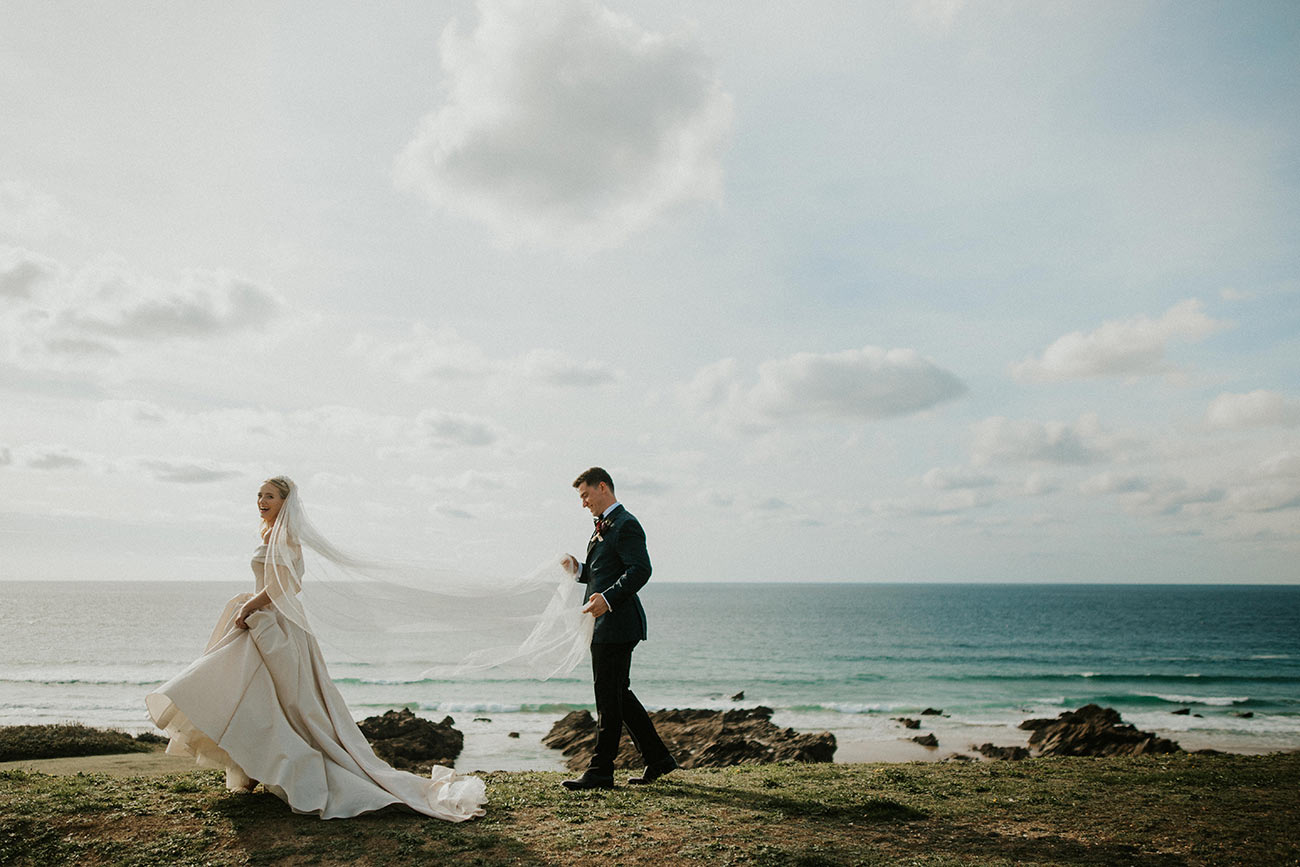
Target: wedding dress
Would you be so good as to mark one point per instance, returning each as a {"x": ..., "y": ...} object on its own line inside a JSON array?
[{"x": 259, "y": 703}]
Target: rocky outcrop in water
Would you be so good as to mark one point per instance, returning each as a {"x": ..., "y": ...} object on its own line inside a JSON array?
[
  {"x": 412, "y": 743},
  {"x": 1093, "y": 730},
  {"x": 699, "y": 739}
]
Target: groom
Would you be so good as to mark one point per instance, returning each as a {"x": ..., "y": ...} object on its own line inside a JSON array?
[{"x": 617, "y": 567}]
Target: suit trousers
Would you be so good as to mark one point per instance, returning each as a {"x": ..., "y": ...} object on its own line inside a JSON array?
[{"x": 617, "y": 706}]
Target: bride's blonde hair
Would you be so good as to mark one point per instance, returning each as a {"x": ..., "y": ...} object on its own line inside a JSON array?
[{"x": 281, "y": 484}]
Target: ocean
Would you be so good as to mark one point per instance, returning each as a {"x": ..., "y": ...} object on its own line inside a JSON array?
[{"x": 845, "y": 658}]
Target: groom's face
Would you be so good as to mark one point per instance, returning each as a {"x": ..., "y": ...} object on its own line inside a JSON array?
[{"x": 596, "y": 499}]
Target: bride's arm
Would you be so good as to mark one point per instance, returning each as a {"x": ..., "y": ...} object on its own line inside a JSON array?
[{"x": 261, "y": 600}]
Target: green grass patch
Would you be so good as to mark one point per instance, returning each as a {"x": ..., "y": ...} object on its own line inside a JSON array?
[
  {"x": 1153, "y": 811},
  {"x": 19, "y": 743}
]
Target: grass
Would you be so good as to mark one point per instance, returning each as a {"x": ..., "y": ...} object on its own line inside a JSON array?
[
  {"x": 1166, "y": 810},
  {"x": 70, "y": 739}
]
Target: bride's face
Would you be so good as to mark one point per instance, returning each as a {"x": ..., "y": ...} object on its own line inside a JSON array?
[{"x": 269, "y": 502}]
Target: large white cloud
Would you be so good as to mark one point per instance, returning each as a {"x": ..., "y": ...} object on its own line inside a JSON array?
[
  {"x": 1129, "y": 347},
  {"x": 565, "y": 123},
  {"x": 857, "y": 384},
  {"x": 1259, "y": 408}
]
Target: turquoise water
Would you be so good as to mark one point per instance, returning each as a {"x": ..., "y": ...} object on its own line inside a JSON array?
[{"x": 841, "y": 657}]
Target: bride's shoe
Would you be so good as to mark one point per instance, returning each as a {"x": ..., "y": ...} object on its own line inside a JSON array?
[{"x": 238, "y": 783}]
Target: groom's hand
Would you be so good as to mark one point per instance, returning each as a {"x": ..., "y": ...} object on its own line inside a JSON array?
[
  {"x": 570, "y": 564},
  {"x": 595, "y": 606}
]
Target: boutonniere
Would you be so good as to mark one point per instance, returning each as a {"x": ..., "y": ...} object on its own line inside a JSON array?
[{"x": 603, "y": 526}]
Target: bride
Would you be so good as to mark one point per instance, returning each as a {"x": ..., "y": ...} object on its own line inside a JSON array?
[{"x": 260, "y": 704}]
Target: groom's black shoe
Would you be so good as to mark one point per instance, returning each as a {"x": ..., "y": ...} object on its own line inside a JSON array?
[
  {"x": 654, "y": 771},
  {"x": 589, "y": 781}
]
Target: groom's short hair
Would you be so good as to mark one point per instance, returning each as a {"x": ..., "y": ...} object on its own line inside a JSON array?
[{"x": 593, "y": 477}]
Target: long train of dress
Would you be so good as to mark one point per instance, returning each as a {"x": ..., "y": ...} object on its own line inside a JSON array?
[{"x": 260, "y": 704}]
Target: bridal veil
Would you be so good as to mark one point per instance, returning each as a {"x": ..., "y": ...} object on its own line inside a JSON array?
[{"x": 531, "y": 624}]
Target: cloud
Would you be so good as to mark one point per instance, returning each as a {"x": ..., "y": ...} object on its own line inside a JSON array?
[
  {"x": 940, "y": 479},
  {"x": 1039, "y": 485},
  {"x": 1163, "y": 495},
  {"x": 946, "y": 504},
  {"x": 52, "y": 458},
  {"x": 187, "y": 472},
  {"x": 60, "y": 318},
  {"x": 456, "y": 429},
  {"x": 856, "y": 384},
  {"x": 442, "y": 354},
  {"x": 428, "y": 354},
  {"x": 938, "y": 14},
  {"x": 1255, "y": 409},
  {"x": 452, "y": 512},
  {"x": 1284, "y": 465},
  {"x": 116, "y": 303},
  {"x": 1114, "y": 483},
  {"x": 1000, "y": 439},
  {"x": 567, "y": 124},
  {"x": 1273, "y": 486},
  {"x": 555, "y": 368},
  {"x": 22, "y": 272},
  {"x": 464, "y": 482},
  {"x": 1131, "y": 347},
  {"x": 27, "y": 212},
  {"x": 643, "y": 484}
]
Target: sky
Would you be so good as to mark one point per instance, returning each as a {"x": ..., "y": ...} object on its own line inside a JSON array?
[{"x": 940, "y": 290}]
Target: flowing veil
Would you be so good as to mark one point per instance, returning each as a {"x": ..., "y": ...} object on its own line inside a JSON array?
[{"x": 531, "y": 624}]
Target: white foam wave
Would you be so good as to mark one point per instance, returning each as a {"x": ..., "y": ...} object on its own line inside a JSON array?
[{"x": 1211, "y": 701}]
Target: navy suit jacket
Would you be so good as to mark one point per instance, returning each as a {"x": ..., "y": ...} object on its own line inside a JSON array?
[{"x": 617, "y": 566}]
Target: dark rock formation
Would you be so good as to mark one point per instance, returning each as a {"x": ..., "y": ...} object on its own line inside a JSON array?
[
  {"x": 513, "y": 735},
  {"x": 1006, "y": 754},
  {"x": 1182, "y": 711},
  {"x": 1093, "y": 731},
  {"x": 412, "y": 743},
  {"x": 930, "y": 711},
  {"x": 927, "y": 740},
  {"x": 1244, "y": 714},
  {"x": 740, "y": 696},
  {"x": 908, "y": 723},
  {"x": 699, "y": 739}
]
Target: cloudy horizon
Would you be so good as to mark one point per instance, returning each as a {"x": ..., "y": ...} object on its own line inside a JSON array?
[{"x": 927, "y": 291}]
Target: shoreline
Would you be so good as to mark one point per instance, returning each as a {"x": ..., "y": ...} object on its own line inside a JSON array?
[{"x": 898, "y": 750}]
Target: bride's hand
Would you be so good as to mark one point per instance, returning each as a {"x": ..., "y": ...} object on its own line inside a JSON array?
[{"x": 241, "y": 619}]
